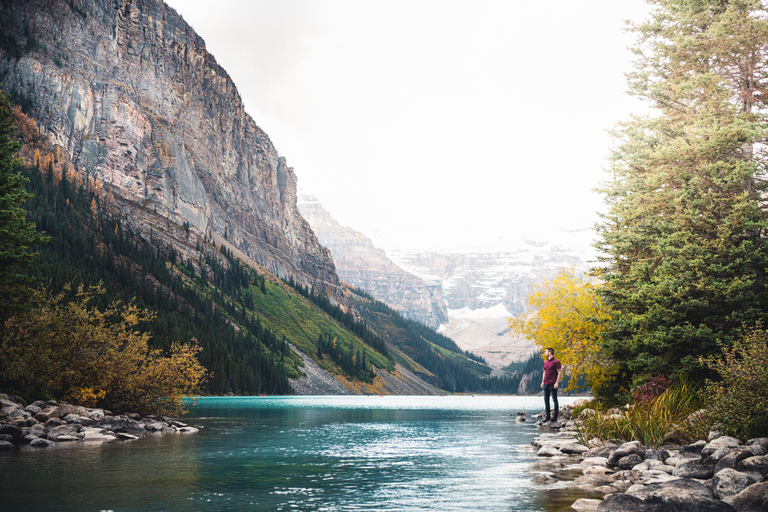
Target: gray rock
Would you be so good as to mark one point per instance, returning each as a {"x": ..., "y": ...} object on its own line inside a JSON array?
[
  {"x": 63, "y": 433},
  {"x": 757, "y": 449},
  {"x": 543, "y": 480},
  {"x": 758, "y": 463},
  {"x": 123, "y": 424},
  {"x": 696, "y": 468},
  {"x": 585, "y": 504},
  {"x": 54, "y": 422},
  {"x": 602, "y": 451},
  {"x": 732, "y": 459},
  {"x": 546, "y": 465},
  {"x": 591, "y": 481},
  {"x": 694, "y": 448},
  {"x": 13, "y": 431},
  {"x": 32, "y": 409},
  {"x": 762, "y": 441},
  {"x": 574, "y": 448},
  {"x": 629, "y": 461},
  {"x": 684, "y": 489},
  {"x": 548, "y": 451},
  {"x": 5, "y": 446},
  {"x": 40, "y": 443},
  {"x": 632, "y": 447},
  {"x": 50, "y": 411},
  {"x": 752, "y": 499},
  {"x": 729, "y": 482},
  {"x": 660, "y": 455},
  {"x": 621, "y": 503}
]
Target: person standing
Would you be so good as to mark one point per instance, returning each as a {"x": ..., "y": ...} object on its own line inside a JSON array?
[{"x": 550, "y": 381}]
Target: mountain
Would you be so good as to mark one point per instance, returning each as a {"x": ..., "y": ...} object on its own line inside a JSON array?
[
  {"x": 361, "y": 264},
  {"x": 129, "y": 93}
]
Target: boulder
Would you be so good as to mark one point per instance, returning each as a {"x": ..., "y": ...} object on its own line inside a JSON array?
[
  {"x": 758, "y": 464},
  {"x": 5, "y": 446},
  {"x": 585, "y": 505},
  {"x": 621, "y": 503},
  {"x": 632, "y": 447},
  {"x": 720, "y": 442},
  {"x": 656, "y": 477},
  {"x": 63, "y": 433},
  {"x": 574, "y": 448},
  {"x": 594, "y": 461},
  {"x": 729, "y": 482},
  {"x": 752, "y": 499},
  {"x": 757, "y": 449},
  {"x": 601, "y": 451},
  {"x": 548, "y": 451},
  {"x": 683, "y": 489},
  {"x": 13, "y": 431},
  {"x": 762, "y": 441},
  {"x": 546, "y": 465},
  {"x": 597, "y": 470},
  {"x": 693, "y": 449},
  {"x": 123, "y": 424},
  {"x": 660, "y": 455},
  {"x": 40, "y": 443},
  {"x": 33, "y": 409},
  {"x": 732, "y": 459},
  {"x": 50, "y": 411},
  {"x": 54, "y": 422},
  {"x": 697, "y": 468},
  {"x": 591, "y": 481},
  {"x": 629, "y": 461}
]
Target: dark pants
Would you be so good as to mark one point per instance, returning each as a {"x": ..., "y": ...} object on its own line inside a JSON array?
[{"x": 550, "y": 389}]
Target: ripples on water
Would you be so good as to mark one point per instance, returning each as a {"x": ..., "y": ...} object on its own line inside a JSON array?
[{"x": 299, "y": 453}]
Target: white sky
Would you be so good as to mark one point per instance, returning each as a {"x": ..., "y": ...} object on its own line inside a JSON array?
[{"x": 433, "y": 125}]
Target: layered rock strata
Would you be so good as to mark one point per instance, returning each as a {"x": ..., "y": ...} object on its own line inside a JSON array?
[
  {"x": 363, "y": 265},
  {"x": 127, "y": 89}
]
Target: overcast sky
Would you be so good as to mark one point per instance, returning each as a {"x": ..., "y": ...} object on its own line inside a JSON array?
[{"x": 434, "y": 124}]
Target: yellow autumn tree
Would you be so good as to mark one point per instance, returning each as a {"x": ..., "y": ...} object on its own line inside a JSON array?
[
  {"x": 567, "y": 316},
  {"x": 73, "y": 350}
]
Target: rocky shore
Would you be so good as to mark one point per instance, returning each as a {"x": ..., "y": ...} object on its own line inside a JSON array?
[
  {"x": 721, "y": 474},
  {"x": 44, "y": 423}
]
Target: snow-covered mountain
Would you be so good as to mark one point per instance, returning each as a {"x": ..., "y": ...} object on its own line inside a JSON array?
[{"x": 467, "y": 295}]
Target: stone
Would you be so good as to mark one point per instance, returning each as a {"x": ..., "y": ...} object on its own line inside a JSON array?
[
  {"x": 696, "y": 468},
  {"x": 752, "y": 499},
  {"x": 758, "y": 464},
  {"x": 601, "y": 451},
  {"x": 13, "y": 431},
  {"x": 632, "y": 447},
  {"x": 32, "y": 409},
  {"x": 543, "y": 480},
  {"x": 656, "y": 477},
  {"x": 189, "y": 430},
  {"x": 757, "y": 449},
  {"x": 762, "y": 441},
  {"x": 50, "y": 411},
  {"x": 594, "y": 461},
  {"x": 660, "y": 455},
  {"x": 6, "y": 446},
  {"x": 123, "y": 424},
  {"x": 597, "y": 470},
  {"x": 694, "y": 448},
  {"x": 621, "y": 503},
  {"x": 99, "y": 435},
  {"x": 729, "y": 482},
  {"x": 54, "y": 422},
  {"x": 548, "y": 451},
  {"x": 720, "y": 442},
  {"x": 653, "y": 464},
  {"x": 629, "y": 461},
  {"x": 591, "y": 481},
  {"x": 39, "y": 442},
  {"x": 732, "y": 459},
  {"x": 586, "y": 504},
  {"x": 128, "y": 437},
  {"x": 685, "y": 489},
  {"x": 546, "y": 465},
  {"x": 574, "y": 448}
]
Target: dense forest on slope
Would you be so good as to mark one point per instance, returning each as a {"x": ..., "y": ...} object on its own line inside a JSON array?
[{"x": 439, "y": 360}]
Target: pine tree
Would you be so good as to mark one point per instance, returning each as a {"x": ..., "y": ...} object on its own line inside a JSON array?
[
  {"x": 17, "y": 236},
  {"x": 685, "y": 256}
]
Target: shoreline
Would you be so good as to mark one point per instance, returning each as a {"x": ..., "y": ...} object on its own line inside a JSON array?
[
  {"x": 720, "y": 474},
  {"x": 43, "y": 424}
]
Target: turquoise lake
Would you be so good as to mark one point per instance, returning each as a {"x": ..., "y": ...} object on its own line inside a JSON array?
[{"x": 300, "y": 453}]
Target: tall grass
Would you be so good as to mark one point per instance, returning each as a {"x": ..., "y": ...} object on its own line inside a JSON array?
[{"x": 667, "y": 418}]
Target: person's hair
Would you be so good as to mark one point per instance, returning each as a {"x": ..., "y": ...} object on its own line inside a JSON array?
[{"x": 551, "y": 350}]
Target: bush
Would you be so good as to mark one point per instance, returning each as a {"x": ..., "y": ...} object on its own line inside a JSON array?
[
  {"x": 72, "y": 350},
  {"x": 653, "y": 421},
  {"x": 739, "y": 401}
]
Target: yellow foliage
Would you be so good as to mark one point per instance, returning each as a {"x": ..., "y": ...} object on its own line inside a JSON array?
[
  {"x": 73, "y": 349},
  {"x": 568, "y": 317}
]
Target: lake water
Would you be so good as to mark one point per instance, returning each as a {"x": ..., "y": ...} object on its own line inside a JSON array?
[{"x": 300, "y": 453}]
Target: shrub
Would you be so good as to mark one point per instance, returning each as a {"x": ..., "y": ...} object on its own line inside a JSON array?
[
  {"x": 72, "y": 350},
  {"x": 739, "y": 401}
]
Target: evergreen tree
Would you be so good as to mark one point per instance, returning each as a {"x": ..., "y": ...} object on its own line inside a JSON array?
[
  {"x": 683, "y": 235},
  {"x": 17, "y": 236}
]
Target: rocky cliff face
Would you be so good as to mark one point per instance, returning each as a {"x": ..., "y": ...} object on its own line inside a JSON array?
[
  {"x": 129, "y": 92},
  {"x": 361, "y": 264}
]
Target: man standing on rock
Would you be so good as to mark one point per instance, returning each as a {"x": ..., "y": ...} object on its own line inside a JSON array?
[{"x": 550, "y": 381}]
